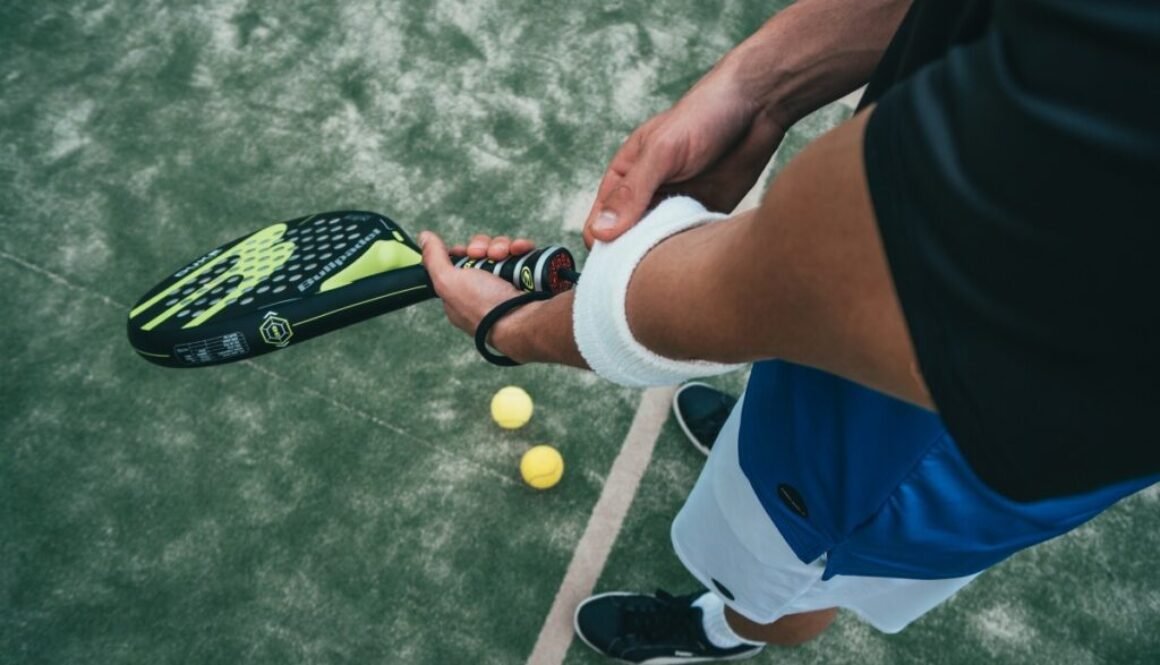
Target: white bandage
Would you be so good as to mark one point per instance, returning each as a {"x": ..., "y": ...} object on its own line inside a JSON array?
[{"x": 599, "y": 319}]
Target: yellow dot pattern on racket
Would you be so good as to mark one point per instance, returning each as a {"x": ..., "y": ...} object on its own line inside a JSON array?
[{"x": 256, "y": 258}]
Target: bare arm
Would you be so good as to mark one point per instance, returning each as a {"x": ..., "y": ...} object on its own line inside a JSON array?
[
  {"x": 815, "y": 51},
  {"x": 714, "y": 142},
  {"x": 803, "y": 278}
]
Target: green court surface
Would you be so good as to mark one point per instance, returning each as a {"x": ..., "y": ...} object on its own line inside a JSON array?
[{"x": 349, "y": 501}]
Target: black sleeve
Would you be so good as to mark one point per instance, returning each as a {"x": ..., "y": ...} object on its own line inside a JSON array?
[{"x": 1015, "y": 183}]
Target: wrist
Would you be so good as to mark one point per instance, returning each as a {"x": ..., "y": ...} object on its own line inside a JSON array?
[
  {"x": 763, "y": 74},
  {"x": 813, "y": 53},
  {"x": 540, "y": 332},
  {"x": 510, "y": 335}
]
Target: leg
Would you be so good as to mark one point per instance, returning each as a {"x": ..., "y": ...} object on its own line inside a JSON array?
[{"x": 790, "y": 630}]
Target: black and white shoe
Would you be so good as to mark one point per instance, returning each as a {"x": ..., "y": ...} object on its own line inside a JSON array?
[
  {"x": 702, "y": 411},
  {"x": 657, "y": 630}
]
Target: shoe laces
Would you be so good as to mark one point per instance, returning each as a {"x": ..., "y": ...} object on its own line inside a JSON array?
[{"x": 662, "y": 618}]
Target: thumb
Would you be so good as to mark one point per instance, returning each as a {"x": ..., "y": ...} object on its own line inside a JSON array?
[
  {"x": 623, "y": 207},
  {"x": 435, "y": 257}
]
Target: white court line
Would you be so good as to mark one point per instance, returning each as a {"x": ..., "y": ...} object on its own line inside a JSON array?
[
  {"x": 63, "y": 281},
  {"x": 359, "y": 413},
  {"x": 603, "y": 526}
]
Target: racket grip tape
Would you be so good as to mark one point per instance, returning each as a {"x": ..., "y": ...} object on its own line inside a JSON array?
[{"x": 550, "y": 269}]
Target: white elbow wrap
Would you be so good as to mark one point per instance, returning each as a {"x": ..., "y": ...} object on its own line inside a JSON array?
[{"x": 599, "y": 319}]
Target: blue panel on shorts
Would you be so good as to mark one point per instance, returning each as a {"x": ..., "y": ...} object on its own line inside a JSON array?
[{"x": 879, "y": 485}]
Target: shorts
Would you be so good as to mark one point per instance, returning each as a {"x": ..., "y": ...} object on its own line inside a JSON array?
[{"x": 727, "y": 541}]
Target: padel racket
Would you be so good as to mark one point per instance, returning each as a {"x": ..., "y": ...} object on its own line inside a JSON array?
[{"x": 295, "y": 280}]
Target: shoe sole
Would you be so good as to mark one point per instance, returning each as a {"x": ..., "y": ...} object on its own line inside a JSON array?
[
  {"x": 665, "y": 660},
  {"x": 681, "y": 421}
]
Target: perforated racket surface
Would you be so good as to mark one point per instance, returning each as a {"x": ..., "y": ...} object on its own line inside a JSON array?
[{"x": 287, "y": 283}]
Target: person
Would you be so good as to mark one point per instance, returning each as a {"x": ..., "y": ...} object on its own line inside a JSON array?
[{"x": 947, "y": 300}]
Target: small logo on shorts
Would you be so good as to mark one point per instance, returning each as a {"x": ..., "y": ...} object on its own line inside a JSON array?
[
  {"x": 723, "y": 590},
  {"x": 792, "y": 499}
]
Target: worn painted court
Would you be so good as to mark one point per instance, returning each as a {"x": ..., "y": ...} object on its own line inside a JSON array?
[{"x": 349, "y": 501}]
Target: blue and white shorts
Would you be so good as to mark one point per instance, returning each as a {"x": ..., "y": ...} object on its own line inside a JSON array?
[{"x": 727, "y": 541}]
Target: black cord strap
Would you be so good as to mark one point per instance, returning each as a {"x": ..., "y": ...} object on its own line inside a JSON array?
[{"x": 495, "y": 315}]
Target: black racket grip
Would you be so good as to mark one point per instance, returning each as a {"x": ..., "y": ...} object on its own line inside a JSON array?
[{"x": 551, "y": 269}]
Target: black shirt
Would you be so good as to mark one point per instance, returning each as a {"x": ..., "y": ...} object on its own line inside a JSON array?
[{"x": 1014, "y": 164}]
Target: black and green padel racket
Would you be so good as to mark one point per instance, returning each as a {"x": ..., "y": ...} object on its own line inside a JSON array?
[{"x": 295, "y": 280}]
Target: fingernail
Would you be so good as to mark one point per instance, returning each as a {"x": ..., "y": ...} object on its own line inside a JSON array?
[
  {"x": 604, "y": 221},
  {"x": 422, "y": 238}
]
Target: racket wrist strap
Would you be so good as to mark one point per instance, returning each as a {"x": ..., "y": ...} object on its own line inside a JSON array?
[{"x": 483, "y": 330}]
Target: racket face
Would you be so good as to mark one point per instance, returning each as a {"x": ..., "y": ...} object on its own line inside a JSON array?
[{"x": 278, "y": 286}]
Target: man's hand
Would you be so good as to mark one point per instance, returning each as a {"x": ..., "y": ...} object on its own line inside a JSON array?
[
  {"x": 712, "y": 145},
  {"x": 496, "y": 249},
  {"x": 535, "y": 332},
  {"x": 468, "y": 295}
]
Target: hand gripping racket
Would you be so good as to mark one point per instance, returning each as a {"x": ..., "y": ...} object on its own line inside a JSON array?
[{"x": 295, "y": 280}]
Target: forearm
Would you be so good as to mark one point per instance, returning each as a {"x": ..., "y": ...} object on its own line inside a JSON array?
[
  {"x": 677, "y": 305},
  {"x": 804, "y": 278},
  {"x": 540, "y": 332},
  {"x": 813, "y": 52}
]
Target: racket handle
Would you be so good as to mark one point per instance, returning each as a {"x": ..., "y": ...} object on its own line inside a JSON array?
[{"x": 551, "y": 269}]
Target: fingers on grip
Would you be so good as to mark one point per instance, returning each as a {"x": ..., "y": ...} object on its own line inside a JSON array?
[{"x": 435, "y": 257}]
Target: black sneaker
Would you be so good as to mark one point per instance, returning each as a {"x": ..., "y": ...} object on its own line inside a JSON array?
[
  {"x": 636, "y": 628},
  {"x": 702, "y": 410}
]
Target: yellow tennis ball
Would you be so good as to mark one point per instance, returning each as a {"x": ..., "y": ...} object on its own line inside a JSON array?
[
  {"x": 511, "y": 407},
  {"x": 542, "y": 467}
]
